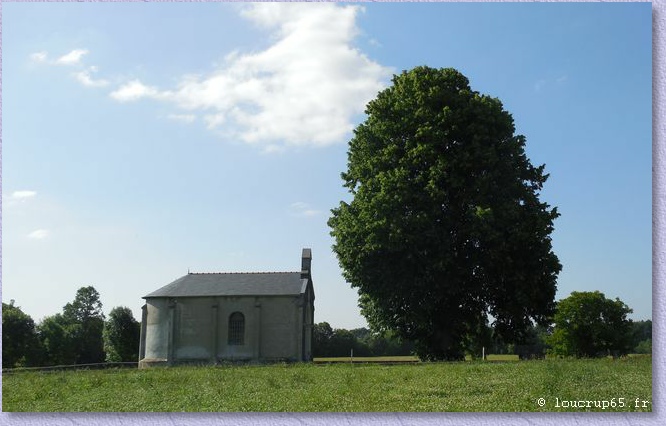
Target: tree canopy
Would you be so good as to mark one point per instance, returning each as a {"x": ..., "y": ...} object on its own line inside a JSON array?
[
  {"x": 84, "y": 321},
  {"x": 329, "y": 342},
  {"x": 445, "y": 226},
  {"x": 77, "y": 335},
  {"x": 589, "y": 325},
  {"x": 20, "y": 345},
  {"x": 58, "y": 340},
  {"x": 121, "y": 336},
  {"x": 642, "y": 337}
]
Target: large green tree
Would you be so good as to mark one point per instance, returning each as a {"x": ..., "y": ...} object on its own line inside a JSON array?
[
  {"x": 121, "y": 336},
  {"x": 20, "y": 346},
  {"x": 445, "y": 227},
  {"x": 589, "y": 325}
]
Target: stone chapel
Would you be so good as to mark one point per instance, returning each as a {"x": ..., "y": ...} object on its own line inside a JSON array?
[{"x": 216, "y": 317}]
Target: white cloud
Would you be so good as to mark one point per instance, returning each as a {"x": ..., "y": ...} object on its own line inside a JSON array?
[
  {"x": 23, "y": 195},
  {"x": 374, "y": 42},
  {"x": 550, "y": 83},
  {"x": 72, "y": 58},
  {"x": 84, "y": 77},
  {"x": 304, "y": 89},
  {"x": 183, "y": 118},
  {"x": 539, "y": 85},
  {"x": 214, "y": 120},
  {"x": 134, "y": 90},
  {"x": 39, "y": 57},
  {"x": 301, "y": 209},
  {"x": 272, "y": 148},
  {"x": 38, "y": 234},
  {"x": 17, "y": 198}
]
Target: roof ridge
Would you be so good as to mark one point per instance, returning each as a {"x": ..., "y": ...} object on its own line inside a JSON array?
[
  {"x": 243, "y": 273},
  {"x": 233, "y": 284}
]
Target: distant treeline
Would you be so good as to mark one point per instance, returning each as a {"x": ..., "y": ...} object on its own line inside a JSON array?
[
  {"x": 80, "y": 334},
  {"x": 339, "y": 342},
  {"x": 329, "y": 342}
]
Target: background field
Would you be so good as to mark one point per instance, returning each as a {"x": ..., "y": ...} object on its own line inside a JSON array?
[
  {"x": 400, "y": 359},
  {"x": 339, "y": 387}
]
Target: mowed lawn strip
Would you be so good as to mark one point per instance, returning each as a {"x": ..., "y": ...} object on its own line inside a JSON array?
[{"x": 461, "y": 386}]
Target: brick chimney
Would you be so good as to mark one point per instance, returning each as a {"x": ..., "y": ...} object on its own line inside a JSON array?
[{"x": 306, "y": 263}]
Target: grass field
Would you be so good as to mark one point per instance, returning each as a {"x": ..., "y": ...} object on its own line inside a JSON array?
[
  {"x": 392, "y": 359},
  {"x": 603, "y": 384}
]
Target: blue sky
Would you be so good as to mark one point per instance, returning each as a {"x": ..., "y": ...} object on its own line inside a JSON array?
[{"x": 141, "y": 140}]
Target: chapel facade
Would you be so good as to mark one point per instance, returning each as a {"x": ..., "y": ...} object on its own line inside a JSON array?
[{"x": 216, "y": 317}]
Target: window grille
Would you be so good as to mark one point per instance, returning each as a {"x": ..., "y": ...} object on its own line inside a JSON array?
[{"x": 236, "y": 329}]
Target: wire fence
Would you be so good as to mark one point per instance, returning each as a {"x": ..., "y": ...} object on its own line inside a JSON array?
[{"x": 96, "y": 366}]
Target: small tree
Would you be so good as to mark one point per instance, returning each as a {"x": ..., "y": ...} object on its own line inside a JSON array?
[
  {"x": 321, "y": 339},
  {"x": 121, "y": 336},
  {"x": 342, "y": 342},
  {"x": 642, "y": 337},
  {"x": 20, "y": 346},
  {"x": 589, "y": 325},
  {"x": 388, "y": 343},
  {"x": 533, "y": 344},
  {"x": 644, "y": 347}
]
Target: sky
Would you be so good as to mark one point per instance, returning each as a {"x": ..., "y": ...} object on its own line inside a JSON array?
[{"x": 141, "y": 141}]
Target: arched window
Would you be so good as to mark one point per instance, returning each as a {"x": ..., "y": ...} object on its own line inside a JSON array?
[{"x": 236, "y": 329}]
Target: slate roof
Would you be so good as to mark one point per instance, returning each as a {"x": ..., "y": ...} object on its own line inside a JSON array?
[{"x": 234, "y": 284}]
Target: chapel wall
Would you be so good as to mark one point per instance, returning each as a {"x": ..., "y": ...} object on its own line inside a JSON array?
[
  {"x": 250, "y": 307},
  {"x": 194, "y": 333},
  {"x": 280, "y": 328}
]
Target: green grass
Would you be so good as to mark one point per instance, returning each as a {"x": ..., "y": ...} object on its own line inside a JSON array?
[{"x": 460, "y": 386}]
